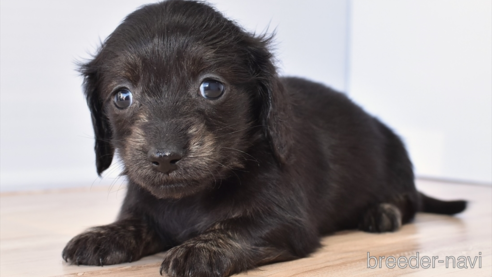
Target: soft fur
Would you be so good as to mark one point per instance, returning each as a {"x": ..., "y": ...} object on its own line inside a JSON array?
[{"x": 266, "y": 169}]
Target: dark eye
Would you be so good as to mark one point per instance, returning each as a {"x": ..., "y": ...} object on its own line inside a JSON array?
[
  {"x": 211, "y": 89},
  {"x": 123, "y": 99}
]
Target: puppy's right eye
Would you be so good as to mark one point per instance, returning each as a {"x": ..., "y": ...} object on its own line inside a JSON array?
[{"x": 123, "y": 99}]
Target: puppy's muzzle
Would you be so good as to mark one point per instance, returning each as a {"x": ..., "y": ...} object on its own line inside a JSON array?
[{"x": 164, "y": 160}]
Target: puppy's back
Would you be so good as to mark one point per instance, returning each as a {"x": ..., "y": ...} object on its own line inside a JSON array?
[{"x": 364, "y": 160}]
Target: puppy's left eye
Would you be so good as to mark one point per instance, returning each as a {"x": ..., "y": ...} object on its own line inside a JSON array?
[
  {"x": 123, "y": 99},
  {"x": 211, "y": 89}
]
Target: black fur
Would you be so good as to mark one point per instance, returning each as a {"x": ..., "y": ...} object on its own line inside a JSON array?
[{"x": 264, "y": 170}]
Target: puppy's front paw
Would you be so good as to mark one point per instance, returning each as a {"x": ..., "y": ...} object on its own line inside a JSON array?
[
  {"x": 198, "y": 258},
  {"x": 104, "y": 245}
]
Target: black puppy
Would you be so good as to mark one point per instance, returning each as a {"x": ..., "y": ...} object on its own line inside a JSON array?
[{"x": 230, "y": 166}]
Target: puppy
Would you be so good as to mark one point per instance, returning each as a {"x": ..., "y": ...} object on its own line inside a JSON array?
[{"x": 230, "y": 166}]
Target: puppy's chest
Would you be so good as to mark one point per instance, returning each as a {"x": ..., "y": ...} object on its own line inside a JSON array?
[{"x": 182, "y": 221}]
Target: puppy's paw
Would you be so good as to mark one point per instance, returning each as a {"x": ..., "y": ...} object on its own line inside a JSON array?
[
  {"x": 197, "y": 258},
  {"x": 104, "y": 245},
  {"x": 382, "y": 218}
]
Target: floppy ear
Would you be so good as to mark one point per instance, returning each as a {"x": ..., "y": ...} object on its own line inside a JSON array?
[
  {"x": 275, "y": 113},
  {"x": 277, "y": 118},
  {"x": 102, "y": 130}
]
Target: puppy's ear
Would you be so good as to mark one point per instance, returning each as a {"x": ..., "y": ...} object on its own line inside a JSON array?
[
  {"x": 275, "y": 113},
  {"x": 102, "y": 130},
  {"x": 277, "y": 120}
]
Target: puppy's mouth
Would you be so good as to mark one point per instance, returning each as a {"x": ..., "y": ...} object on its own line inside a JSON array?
[
  {"x": 175, "y": 189},
  {"x": 188, "y": 176}
]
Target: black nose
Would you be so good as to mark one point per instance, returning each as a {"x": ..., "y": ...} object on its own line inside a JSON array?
[{"x": 164, "y": 160}]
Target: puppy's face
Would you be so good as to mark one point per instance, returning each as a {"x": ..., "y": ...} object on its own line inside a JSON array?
[
  {"x": 179, "y": 92},
  {"x": 178, "y": 133}
]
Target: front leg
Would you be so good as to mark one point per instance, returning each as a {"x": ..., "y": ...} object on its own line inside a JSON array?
[
  {"x": 236, "y": 245},
  {"x": 120, "y": 242}
]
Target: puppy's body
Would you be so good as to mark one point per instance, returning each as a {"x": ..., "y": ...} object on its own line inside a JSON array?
[{"x": 226, "y": 183}]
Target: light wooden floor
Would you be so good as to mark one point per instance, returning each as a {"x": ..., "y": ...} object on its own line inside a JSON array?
[{"x": 36, "y": 226}]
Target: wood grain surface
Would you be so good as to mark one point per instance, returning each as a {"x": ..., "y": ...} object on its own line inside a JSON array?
[{"x": 35, "y": 226}]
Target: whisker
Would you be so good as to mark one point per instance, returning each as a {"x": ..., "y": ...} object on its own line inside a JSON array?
[
  {"x": 236, "y": 131},
  {"x": 228, "y": 167},
  {"x": 228, "y": 148}
]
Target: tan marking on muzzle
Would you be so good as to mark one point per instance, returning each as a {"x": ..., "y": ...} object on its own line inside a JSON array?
[{"x": 202, "y": 142}]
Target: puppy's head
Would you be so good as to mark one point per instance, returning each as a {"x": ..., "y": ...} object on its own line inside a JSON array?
[{"x": 182, "y": 94}]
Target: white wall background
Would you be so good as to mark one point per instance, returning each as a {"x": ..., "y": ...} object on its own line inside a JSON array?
[
  {"x": 424, "y": 67},
  {"x": 46, "y": 137}
]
